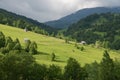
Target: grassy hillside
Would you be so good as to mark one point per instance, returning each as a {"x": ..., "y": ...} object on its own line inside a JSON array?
[{"x": 62, "y": 50}]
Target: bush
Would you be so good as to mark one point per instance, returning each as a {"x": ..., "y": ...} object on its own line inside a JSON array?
[
  {"x": 82, "y": 48},
  {"x": 53, "y": 57}
]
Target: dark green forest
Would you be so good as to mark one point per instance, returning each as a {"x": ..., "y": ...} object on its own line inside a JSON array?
[
  {"x": 104, "y": 28},
  {"x": 12, "y": 19}
]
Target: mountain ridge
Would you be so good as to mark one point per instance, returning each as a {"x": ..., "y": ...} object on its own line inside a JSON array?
[{"x": 64, "y": 22}]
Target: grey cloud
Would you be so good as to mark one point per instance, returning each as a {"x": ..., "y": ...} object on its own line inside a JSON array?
[{"x": 45, "y": 10}]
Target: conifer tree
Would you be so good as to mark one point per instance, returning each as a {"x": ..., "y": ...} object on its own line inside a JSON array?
[
  {"x": 17, "y": 45},
  {"x": 27, "y": 44},
  {"x": 73, "y": 71},
  {"x": 8, "y": 40},
  {"x": 33, "y": 48},
  {"x": 2, "y": 40},
  {"x": 107, "y": 67}
]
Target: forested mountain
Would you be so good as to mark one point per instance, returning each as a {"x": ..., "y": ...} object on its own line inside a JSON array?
[
  {"x": 72, "y": 18},
  {"x": 12, "y": 19},
  {"x": 104, "y": 28}
]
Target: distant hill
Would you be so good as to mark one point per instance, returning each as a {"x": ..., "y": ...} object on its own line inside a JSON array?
[
  {"x": 97, "y": 27},
  {"x": 12, "y": 19},
  {"x": 72, "y": 18}
]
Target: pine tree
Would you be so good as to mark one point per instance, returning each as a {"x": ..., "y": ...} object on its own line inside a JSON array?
[
  {"x": 27, "y": 44},
  {"x": 54, "y": 73},
  {"x": 10, "y": 46},
  {"x": 33, "y": 48},
  {"x": 73, "y": 71},
  {"x": 17, "y": 45},
  {"x": 8, "y": 40},
  {"x": 2, "y": 40},
  {"x": 107, "y": 67}
]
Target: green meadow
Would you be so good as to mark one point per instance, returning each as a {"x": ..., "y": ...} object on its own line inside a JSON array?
[{"x": 48, "y": 45}]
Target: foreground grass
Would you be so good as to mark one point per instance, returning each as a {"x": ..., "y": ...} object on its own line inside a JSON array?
[{"x": 48, "y": 45}]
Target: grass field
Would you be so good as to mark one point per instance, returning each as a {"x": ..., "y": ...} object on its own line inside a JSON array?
[{"x": 62, "y": 50}]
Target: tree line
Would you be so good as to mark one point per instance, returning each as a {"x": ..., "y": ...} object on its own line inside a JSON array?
[{"x": 7, "y": 44}]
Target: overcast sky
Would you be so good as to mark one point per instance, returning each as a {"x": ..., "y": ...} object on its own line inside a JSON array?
[{"x": 46, "y": 10}]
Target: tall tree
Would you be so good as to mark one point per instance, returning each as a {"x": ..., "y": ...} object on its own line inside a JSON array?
[
  {"x": 17, "y": 66},
  {"x": 8, "y": 40},
  {"x": 54, "y": 73},
  {"x": 93, "y": 71},
  {"x": 2, "y": 40},
  {"x": 107, "y": 67},
  {"x": 17, "y": 45},
  {"x": 27, "y": 44},
  {"x": 38, "y": 72},
  {"x": 73, "y": 71},
  {"x": 33, "y": 48}
]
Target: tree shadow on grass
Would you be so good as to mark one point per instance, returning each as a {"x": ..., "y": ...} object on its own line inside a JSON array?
[
  {"x": 58, "y": 61},
  {"x": 43, "y": 53}
]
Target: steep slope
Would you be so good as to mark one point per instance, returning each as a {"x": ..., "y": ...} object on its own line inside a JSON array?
[
  {"x": 102, "y": 27},
  {"x": 72, "y": 18},
  {"x": 12, "y": 19},
  {"x": 62, "y": 50}
]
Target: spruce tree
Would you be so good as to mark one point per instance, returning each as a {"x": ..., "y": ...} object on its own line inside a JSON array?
[
  {"x": 8, "y": 40},
  {"x": 73, "y": 71},
  {"x": 33, "y": 48},
  {"x": 54, "y": 73},
  {"x": 17, "y": 45},
  {"x": 27, "y": 44},
  {"x": 2, "y": 40},
  {"x": 107, "y": 67}
]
